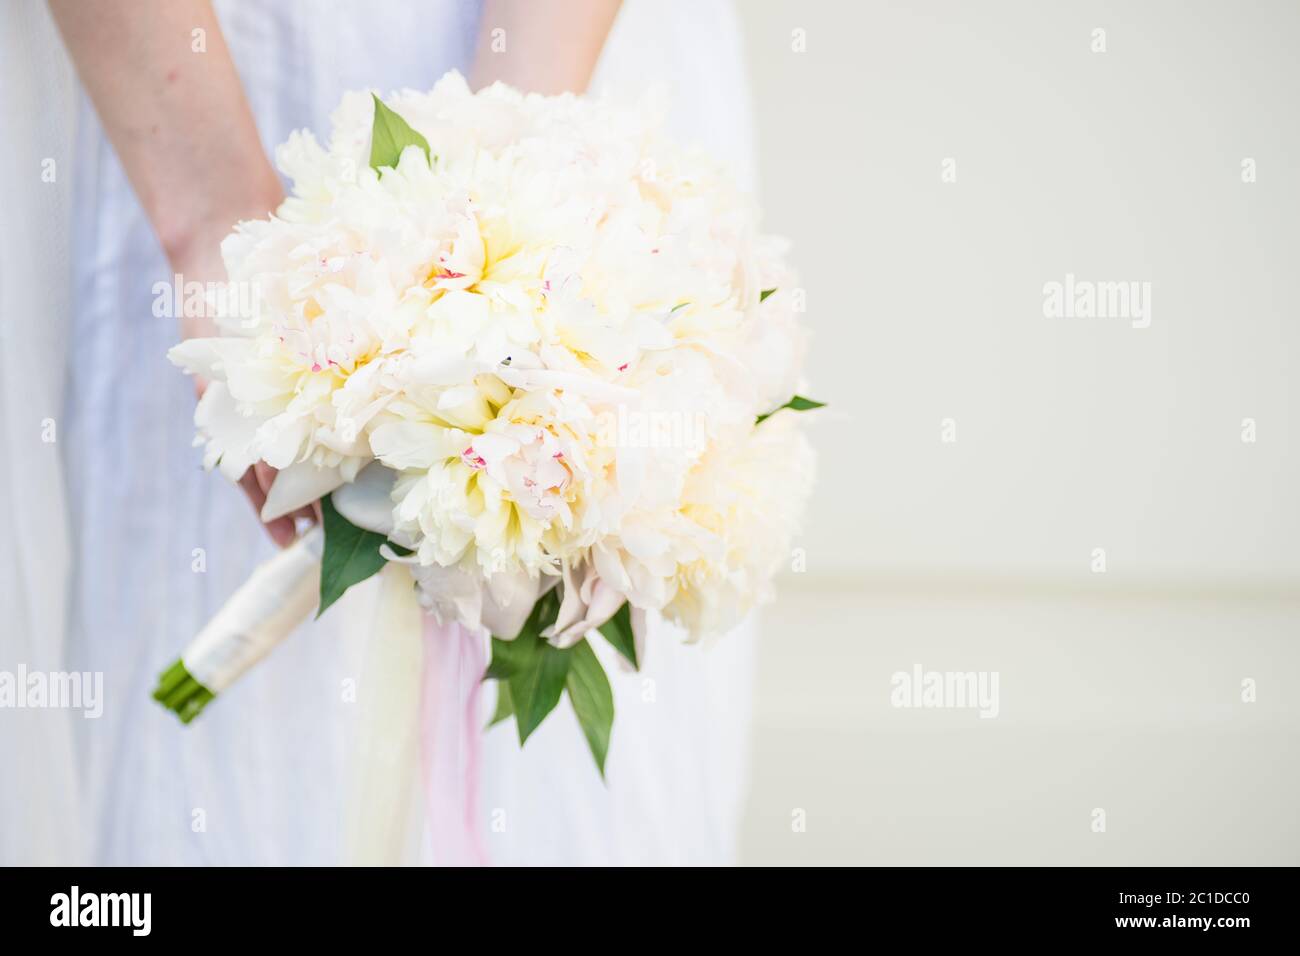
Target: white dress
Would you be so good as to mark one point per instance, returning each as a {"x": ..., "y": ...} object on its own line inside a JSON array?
[{"x": 158, "y": 544}]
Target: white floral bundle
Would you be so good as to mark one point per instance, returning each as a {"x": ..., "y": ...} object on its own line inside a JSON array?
[{"x": 530, "y": 349}]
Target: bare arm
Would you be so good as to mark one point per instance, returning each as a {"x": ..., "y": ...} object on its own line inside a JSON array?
[
  {"x": 171, "y": 104},
  {"x": 177, "y": 118},
  {"x": 541, "y": 46}
]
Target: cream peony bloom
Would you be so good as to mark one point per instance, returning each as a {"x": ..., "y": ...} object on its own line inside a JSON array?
[{"x": 555, "y": 333}]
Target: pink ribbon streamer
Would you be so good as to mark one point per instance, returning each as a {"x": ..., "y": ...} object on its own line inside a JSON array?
[{"x": 450, "y": 738}]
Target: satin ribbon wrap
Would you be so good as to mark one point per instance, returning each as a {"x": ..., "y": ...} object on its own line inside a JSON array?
[
  {"x": 419, "y": 731},
  {"x": 278, "y": 596}
]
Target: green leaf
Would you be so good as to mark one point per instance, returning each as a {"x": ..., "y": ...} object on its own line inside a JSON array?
[
  {"x": 618, "y": 631},
  {"x": 500, "y": 667},
  {"x": 762, "y": 296},
  {"x": 536, "y": 689},
  {"x": 532, "y": 674},
  {"x": 534, "y": 669},
  {"x": 509, "y": 655},
  {"x": 351, "y": 555},
  {"x": 592, "y": 699},
  {"x": 390, "y": 135},
  {"x": 798, "y": 404},
  {"x": 505, "y": 707}
]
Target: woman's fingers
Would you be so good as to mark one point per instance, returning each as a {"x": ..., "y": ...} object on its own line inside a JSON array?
[
  {"x": 265, "y": 476},
  {"x": 282, "y": 531},
  {"x": 255, "y": 483},
  {"x": 307, "y": 513},
  {"x": 254, "y": 491}
]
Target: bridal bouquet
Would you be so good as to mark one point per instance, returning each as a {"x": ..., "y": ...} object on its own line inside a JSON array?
[{"x": 530, "y": 352}]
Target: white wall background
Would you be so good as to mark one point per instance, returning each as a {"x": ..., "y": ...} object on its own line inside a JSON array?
[{"x": 1119, "y": 690}]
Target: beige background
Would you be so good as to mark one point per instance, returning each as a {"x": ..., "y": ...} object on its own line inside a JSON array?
[{"x": 1119, "y": 690}]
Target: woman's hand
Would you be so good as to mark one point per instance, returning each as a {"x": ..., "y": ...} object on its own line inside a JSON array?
[{"x": 256, "y": 483}]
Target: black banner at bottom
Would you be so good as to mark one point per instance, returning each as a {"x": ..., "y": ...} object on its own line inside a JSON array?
[{"x": 232, "y": 906}]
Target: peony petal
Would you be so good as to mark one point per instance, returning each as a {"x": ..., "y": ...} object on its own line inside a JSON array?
[
  {"x": 229, "y": 434},
  {"x": 367, "y": 502},
  {"x": 297, "y": 486},
  {"x": 572, "y": 607},
  {"x": 508, "y": 600},
  {"x": 406, "y": 444},
  {"x": 210, "y": 357}
]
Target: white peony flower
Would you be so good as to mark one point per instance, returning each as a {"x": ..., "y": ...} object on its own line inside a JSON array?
[{"x": 556, "y": 330}]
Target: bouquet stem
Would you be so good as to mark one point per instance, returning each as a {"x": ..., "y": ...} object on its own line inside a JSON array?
[
  {"x": 277, "y": 597},
  {"x": 179, "y": 692}
]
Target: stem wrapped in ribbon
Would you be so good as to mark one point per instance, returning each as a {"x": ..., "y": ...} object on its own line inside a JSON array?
[{"x": 279, "y": 596}]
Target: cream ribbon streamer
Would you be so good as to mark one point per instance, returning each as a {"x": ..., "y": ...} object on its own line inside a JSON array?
[
  {"x": 381, "y": 823},
  {"x": 419, "y": 729}
]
